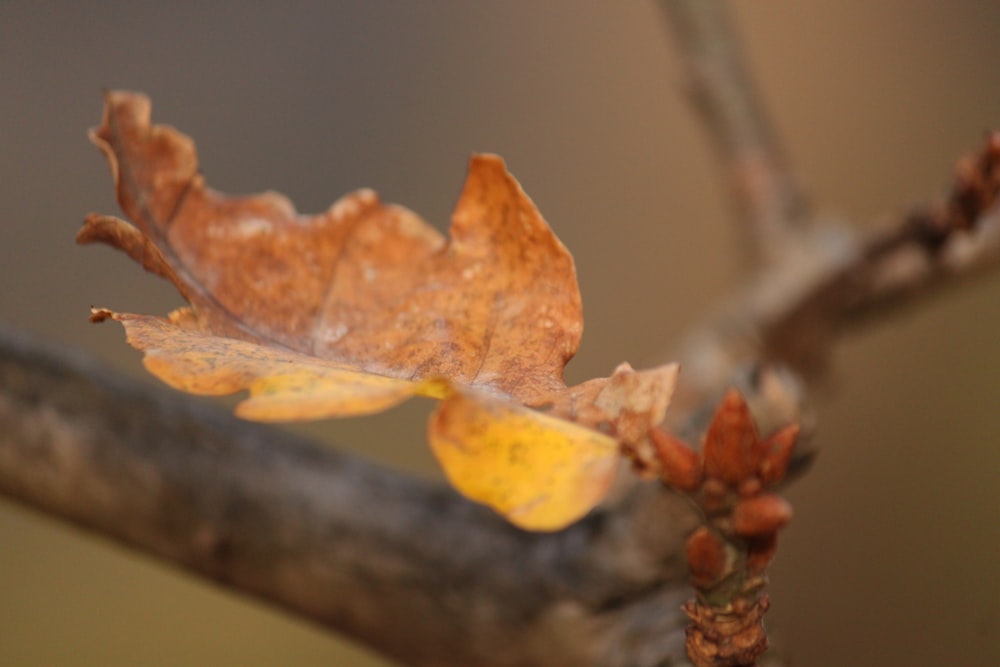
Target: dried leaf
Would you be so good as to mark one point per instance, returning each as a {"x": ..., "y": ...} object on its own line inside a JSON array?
[
  {"x": 358, "y": 308},
  {"x": 365, "y": 284},
  {"x": 628, "y": 402},
  {"x": 283, "y": 385},
  {"x": 539, "y": 471}
]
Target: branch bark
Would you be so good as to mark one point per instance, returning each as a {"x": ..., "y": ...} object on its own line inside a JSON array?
[
  {"x": 400, "y": 564},
  {"x": 829, "y": 283},
  {"x": 933, "y": 247},
  {"x": 765, "y": 192}
]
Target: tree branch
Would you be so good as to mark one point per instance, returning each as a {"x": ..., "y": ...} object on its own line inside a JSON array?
[
  {"x": 402, "y": 565},
  {"x": 766, "y": 194},
  {"x": 828, "y": 283},
  {"x": 931, "y": 248}
]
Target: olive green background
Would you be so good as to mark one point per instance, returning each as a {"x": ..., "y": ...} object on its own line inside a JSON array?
[{"x": 894, "y": 555}]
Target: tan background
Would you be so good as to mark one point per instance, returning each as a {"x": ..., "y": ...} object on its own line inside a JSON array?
[{"x": 893, "y": 557}]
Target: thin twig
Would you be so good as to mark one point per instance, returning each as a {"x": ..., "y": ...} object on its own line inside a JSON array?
[
  {"x": 766, "y": 193},
  {"x": 793, "y": 313},
  {"x": 933, "y": 247}
]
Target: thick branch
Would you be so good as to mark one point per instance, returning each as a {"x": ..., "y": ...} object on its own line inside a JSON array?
[
  {"x": 765, "y": 192},
  {"x": 403, "y": 565}
]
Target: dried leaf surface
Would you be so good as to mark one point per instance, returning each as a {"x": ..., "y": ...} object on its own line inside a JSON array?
[
  {"x": 284, "y": 385},
  {"x": 364, "y": 283},
  {"x": 360, "y": 307},
  {"x": 539, "y": 471}
]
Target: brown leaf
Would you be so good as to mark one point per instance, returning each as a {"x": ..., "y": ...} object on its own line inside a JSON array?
[
  {"x": 283, "y": 385},
  {"x": 627, "y": 403},
  {"x": 364, "y": 283},
  {"x": 358, "y": 308}
]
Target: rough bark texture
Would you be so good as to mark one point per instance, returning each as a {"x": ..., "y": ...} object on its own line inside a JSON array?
[{"x": 403, "y": 565}]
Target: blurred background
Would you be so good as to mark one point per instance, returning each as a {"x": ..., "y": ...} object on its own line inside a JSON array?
[{"x": 894, "y": 556}]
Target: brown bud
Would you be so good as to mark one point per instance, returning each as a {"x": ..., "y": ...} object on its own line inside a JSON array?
[
  {"x": 760, "y": 516},
  {"x": 707, "y": 557},
  {"x": 715, "y": 497},
  {"x": 732, "y": 448},
  {"x": 778, "y": 453},
  {"x": 681, "y": 465},
  {"x": 749, "y": 488}
]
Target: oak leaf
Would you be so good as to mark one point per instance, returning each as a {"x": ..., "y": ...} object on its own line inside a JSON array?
[{"x": 362, "y": 306}]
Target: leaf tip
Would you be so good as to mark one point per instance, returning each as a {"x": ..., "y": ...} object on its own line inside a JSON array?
[
  {"x": 100, "y": 314},
  {"x": 118, "y": 104},
  {"x": 124, "y": 236},
  {"x": 487, "y": 160}
]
